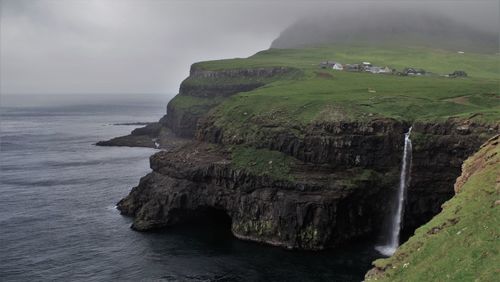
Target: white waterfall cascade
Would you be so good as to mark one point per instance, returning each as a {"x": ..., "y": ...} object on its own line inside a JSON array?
[{"x": 396, "y": 218}]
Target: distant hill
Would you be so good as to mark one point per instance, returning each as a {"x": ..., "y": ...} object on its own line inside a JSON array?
[{"x": 399, "y": 28}]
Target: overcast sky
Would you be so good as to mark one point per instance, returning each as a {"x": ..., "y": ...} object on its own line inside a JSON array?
[{"x": 147, "y": 46}]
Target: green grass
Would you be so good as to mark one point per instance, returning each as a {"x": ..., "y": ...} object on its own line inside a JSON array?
[
  {"x": 348, "y": 95},
  {"x": 194, "y": 105},
  {"x": 433, "y": 60},
  {"x": 262, "y": 162},
  {"x": 462, "y": 242},
  {"x": 319, "y": 95}
]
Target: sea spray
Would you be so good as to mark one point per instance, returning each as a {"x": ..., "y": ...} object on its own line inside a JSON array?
[{"x": 396, "y": 217}]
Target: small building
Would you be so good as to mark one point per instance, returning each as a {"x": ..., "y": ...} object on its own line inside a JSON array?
[
  {"x": 337, "y": 66},
  {"x": 375, "y": 69},
  {"x": 365, "y": 66},
  {"x": 352, "y": 67},
  {"x": 385, "y": 69},
  {"x": 323, "y": 65},
  {"x": 372, "y": 69},
  {"x": 413, "y": 71}
]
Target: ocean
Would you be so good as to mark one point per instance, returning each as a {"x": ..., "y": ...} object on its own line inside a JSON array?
[{"x": 58, "y": 219}]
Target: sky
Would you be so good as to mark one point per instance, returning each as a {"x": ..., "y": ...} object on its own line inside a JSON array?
[{"x": 147, "y": 46}]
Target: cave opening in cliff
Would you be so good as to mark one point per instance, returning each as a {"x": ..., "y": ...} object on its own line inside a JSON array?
[
  {"x": 213, "y": 217},
  {"x": 206, "y": 218}
]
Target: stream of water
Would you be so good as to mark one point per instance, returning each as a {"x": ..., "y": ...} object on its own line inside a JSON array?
[{"x": 396, "y": 217}]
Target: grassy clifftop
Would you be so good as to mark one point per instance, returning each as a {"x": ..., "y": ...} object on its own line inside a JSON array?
[
  {"x": 318, "y": 95},
  {"x": 460, "y": 243},
  {"x": 439, "y": 61}
]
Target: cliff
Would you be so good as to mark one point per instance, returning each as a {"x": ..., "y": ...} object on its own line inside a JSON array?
[
  {"x": 461, "y": 242},
  {"x": 306, "y": 158},
  {"x": 294, "y": 206}
]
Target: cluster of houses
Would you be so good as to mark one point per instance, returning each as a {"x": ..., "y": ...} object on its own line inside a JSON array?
[
  {"x": 364, "y": 66},
  {"x": 368, "y": 67}
]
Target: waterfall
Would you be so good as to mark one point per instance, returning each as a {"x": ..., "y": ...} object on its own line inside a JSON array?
[{"x": 396, "y": 217}]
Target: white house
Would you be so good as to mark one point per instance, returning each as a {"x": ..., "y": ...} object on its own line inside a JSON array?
[
  {"x": 385, "y": 70},
  {"x": 373, "y": 69},
  {"x": 337, "y": 66}
]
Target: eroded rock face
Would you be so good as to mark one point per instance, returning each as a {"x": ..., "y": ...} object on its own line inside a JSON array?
[
  {"x": 221, "y": 84},
  {"x": 297, "y": 214},
  {"x": 313, "y": 211},
  {"x": 439, "y": 149},
  {"x": 374, "y": 143}
]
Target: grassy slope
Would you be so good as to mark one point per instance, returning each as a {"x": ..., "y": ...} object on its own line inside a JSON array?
[
  {"x": 462, "y": 242},
  {"x": 335, "y": 95},
  {"x": 262, "y": 162},
  {"x": 438, "y": 61}
]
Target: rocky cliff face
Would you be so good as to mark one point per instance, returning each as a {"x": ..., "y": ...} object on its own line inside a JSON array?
[
  {"x": 338, "y": 187},
  {"x": 312, "y": 212},
  {"x": 324, "y": 203},
  {"x": 214, "y": 85},
  {"x": 375, "y": 143},
  {"x": 439, "y": 149}
]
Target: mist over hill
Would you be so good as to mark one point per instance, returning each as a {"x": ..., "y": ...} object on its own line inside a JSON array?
[{"x": 388, "y": 27}]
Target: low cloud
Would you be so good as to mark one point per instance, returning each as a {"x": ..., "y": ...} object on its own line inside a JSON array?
[{"x": 132, "y": 46}]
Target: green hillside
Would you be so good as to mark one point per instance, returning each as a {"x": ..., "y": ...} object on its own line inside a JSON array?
[
  {"x": 315, "y": 94},
  {"x": 462, "y": 242},
  {"x": 434, "y": 60}
]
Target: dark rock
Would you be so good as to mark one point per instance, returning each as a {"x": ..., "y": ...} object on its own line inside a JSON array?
[
  {"x": 134, "y": 123},
  {"x": 152, "y": 136},
  {"x": 293, "y": 214},
  {"x": 376, "y": 143},
  {"x": 129, "y": 141},
  {"x": 151, "y": 130}
]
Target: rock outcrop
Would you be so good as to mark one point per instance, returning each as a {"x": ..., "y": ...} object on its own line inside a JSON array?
[
  {"x": 151, "y": 136},
  {"x": 312, "y": 211}
]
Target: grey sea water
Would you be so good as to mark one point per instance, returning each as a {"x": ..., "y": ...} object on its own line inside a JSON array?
[{"x": 57, "y": 208}]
